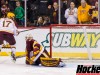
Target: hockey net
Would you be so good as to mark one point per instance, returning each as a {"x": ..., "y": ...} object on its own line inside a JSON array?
[{"x": 75, "y": 41}]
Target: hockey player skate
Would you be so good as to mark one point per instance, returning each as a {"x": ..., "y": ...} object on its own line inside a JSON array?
[{"x": 13, "y": 56}]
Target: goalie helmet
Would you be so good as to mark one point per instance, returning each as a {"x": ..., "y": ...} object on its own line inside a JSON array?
[{"x": 29, "y": 36}]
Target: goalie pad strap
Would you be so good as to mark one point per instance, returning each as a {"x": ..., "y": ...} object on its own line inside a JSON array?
[{"x": 50, "y": 62}]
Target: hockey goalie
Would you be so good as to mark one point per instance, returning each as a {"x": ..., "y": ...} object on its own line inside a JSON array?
[{"x": 36, "y": 54}]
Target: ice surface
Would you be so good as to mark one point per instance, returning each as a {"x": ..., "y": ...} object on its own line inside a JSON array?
[{"x": 7, "y": 67}]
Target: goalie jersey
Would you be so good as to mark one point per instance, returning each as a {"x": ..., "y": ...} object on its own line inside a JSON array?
[{"x": 34, "y": 51}]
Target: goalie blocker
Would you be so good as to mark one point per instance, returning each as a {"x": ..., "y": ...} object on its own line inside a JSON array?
[{"x": 36, "y": 54}]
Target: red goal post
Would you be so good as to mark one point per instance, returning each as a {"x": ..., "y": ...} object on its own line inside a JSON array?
[{"x": 78, "y": 28}]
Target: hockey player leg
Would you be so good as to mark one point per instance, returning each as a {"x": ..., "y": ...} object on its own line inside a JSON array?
[{"x": 13, "y": 51}]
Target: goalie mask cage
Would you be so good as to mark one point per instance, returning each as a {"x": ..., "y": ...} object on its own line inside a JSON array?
[{"x": 75, "y": 41}]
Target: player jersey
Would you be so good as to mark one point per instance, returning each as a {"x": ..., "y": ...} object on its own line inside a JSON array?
[
  {"x": 7, "y": 25},
  {"x": 33, "y": 46}
]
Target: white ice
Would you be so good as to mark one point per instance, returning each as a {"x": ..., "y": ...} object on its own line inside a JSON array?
[{"x": 7, "y": 67}]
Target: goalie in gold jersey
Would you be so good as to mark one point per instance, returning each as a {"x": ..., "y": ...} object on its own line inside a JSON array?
[{"x": 36, "y": 54}]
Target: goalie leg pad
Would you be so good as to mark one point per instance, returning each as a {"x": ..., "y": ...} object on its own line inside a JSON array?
[{"x": 51, "y": 62}]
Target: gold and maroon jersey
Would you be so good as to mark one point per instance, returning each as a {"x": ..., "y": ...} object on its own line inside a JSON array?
[{"x": 33, "y": 48}]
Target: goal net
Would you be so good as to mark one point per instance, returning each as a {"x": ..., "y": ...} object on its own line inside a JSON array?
[
  {"x": 64, "y": 41},
  {"x": 75, "y": 41}
]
